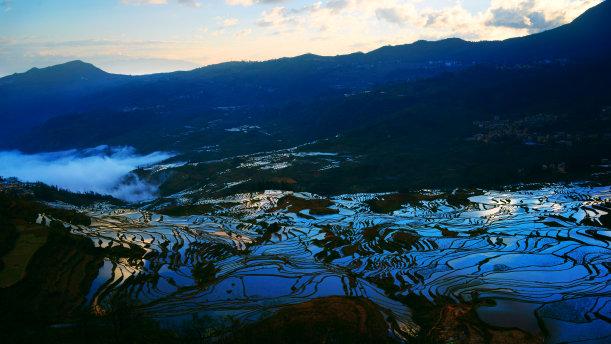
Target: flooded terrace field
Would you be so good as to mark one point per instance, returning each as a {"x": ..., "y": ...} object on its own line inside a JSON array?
[{"x": 532, "y": 260}]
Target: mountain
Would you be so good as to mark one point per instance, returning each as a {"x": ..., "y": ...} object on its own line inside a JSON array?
[
  {"x": 66, "y": 73},
  {"x": 417, "y": 115},
  {"x": 481, "y": 127},
  {"x": 30, "y": 98},
  {"x": 583, "y": 39},
  {"x": 370, "y": 176}
]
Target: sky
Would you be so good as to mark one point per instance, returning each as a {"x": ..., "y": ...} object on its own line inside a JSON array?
[{"x": 148, "y": 36}]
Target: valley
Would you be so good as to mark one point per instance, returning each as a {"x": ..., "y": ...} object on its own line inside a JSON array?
[
  {"x": 531, "y": 261},
  {"x": 436, "y": 192}
]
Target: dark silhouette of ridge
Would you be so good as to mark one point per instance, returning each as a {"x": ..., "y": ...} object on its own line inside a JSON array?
[{"x": 31, "y": 98}]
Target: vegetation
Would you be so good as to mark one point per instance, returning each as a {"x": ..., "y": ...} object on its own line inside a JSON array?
[
  {"x": 8, "y": 236},
  {"x": 193, "y": 209},
  {"x": 17, "y": 205},
  {"x": 451, "y": 116},
  {"x": 463, "y": 129},
  {"x": 406, "y": 239},
  {"x": 47, "y": 271},
  {"x": 325, "y": 320},
  {"x": 48, "y": 193},
  {"x": 15, "y": 261},
  {"x": 204, "y": 272},
  {"x": 297, "y": 204},
  {"x": 445, "y": 321}
]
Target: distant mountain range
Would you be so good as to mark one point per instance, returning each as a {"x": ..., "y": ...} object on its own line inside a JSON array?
[{"x": 542, "y": 97}]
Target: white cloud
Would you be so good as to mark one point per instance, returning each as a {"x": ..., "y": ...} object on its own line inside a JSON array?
[
  {"x": 397, "y": 21},
  {"x": 247, "y": 3},
  {"x": 535, "y": 15},
  {"x": 103, "y": 169},
  {"x": 229, "y": 22},
  {"x": 117, "y": 56},
  {"x": 288, "y": 28},
  {"x": 400, "y": 15},
  {"x": 190, "y": 3}
]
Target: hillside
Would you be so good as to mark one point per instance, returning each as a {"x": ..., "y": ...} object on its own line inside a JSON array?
[
  {"x": 453, "y": 112},
  {"x": 78, "y": 88}
]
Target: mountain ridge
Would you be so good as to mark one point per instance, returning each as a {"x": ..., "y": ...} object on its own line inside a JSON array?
[
  {"x": 70, "y": 71},
  {"x": 116, "y": 109},
  {"x": 599, "y": 14}
]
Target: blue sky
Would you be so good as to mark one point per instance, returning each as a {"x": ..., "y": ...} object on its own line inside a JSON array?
[{"x": 145, "y": 36}]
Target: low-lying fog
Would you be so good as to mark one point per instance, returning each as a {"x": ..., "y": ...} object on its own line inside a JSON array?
[{"x": 105, "y": 170}]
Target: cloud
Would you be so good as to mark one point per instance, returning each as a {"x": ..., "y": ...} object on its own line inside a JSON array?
[
  {"x": 400, "y": 15},
  {"x": 116, "y": 56},
  {"x": 252, "y": 2},
  {"x": 242, "y": 33},
  {"x": 229, "y": 22},
  {"x": 344, "y": 23},
  {"x": 5, "y": 5},
  {"x": 105, "y": 170},
  {"x": 535, "y": 15},
  {"x": 288, "y": 28},
  {"x": 190, "y": 3}
]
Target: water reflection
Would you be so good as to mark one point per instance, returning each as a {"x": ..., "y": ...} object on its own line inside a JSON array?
[{"x": 543, "y": 255}]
